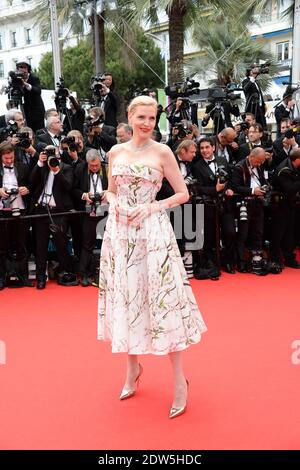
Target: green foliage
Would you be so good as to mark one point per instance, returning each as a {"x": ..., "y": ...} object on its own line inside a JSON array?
[{"x": 128, "y": 71}]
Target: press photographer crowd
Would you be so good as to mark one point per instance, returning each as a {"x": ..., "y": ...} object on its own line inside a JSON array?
[{"x": 54, "y": 166}]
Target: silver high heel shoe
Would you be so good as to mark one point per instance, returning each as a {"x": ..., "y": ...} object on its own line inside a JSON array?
[
  {"x": 174, "y": 412},
  {"x": 127, "y": 392}
]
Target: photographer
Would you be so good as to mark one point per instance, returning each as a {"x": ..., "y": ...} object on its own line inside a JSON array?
[
  {"x": 283, "y": 146},
  {"x": 182, "y": 109},
  {"x": 185, "y": 154},
  {"x": 286, "y": 180},
  {"x": 220, "y": 108},
  {"x": 74, "y": 151},
  {"x": 90, "y": 181},
  {"x": 30, "y": 87},
  {"x": 226, "y": 146},
  {"x": 53, "y": 134},
  {"x": 249, "y": 182},
  {"x": 24, "y": 148},
  {"x": 14, "y": 121},
  {"x": 183, "y": 130},
  {"x": 255, "y": 136},
  {"x": 51, "y": 184},
  {"x": 213, "y": 176},
  {"x": 284, "y": 110},
  {"x": 105, "y": 98},
  {"x": 98, "y": 135},
  {"x": 124, "y": 133},
  {"x": 13, "y": 192},
  {"x": 255, "y": 103}
]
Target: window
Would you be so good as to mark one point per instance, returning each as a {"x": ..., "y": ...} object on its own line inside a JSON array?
[
  {"x": 1, "y": 46},
  {"x": 13, "y": 39},
  {"x": 28, "y": 36},
  {"x": 1, "y": 70},
  {"x": 282, "y": 51}
]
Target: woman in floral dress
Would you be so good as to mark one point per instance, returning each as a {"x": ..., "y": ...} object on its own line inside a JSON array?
[{"x": 146, "y": 304}]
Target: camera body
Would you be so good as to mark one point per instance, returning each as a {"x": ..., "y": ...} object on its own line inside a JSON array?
[
  {"x": 97, "y": 83},
  {"x": 290, "y": 133},
  {"x": 12, "y": 191},
  {"x": 11, "y": 203},
  {"x": 61, "y": 95},
  {"x": 220, "y": 94},
  {"x": 70, "y": 143},
  {"x": 94, "y": 209},
  {"x": 262, "y": 68},
  {"x": 183, "y": 129},
  {"x": 10, "y": 129},
  {"x": 267, "y": 188},
  {"x": 183, "y": 89},
  {"x": 24, "y": 140},
  {"x": 89, "y": 123},
  {"x": 222, "y": 175}
]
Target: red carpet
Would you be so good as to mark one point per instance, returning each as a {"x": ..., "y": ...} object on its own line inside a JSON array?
[{"x": 60, "y": 386}]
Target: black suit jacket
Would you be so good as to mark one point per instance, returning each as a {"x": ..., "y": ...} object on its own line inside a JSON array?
[
  {"x": 62, "y": 186},
  {"x": 206, "y": 177},
  {"x": 82, "y": 183},
  {"x": 111, "y": 109},
  {"x": 253, "y": 95},
  {"x": 216, "y": 116},
  {"x": 33, "y": 104},
  {"x": 241, "y": 178},
  {"x": 287, "y": 181},
  {"x": 105, "y": 140}
]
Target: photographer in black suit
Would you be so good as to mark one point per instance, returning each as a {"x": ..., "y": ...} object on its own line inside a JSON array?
[
  {"x": 90, "y": 180},
  {"x": 249, "y": 182},
  {"x": 255, "y": 103},
  {"x": 213, "y": 176},
  {"x": 51, "y": 184},
  {"x": 33, "y": 104},
  {"x": 13, "y": 177},
  {"x": 286, "y": 180}
]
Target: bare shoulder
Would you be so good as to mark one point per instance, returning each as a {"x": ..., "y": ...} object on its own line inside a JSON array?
[{"x": 115, "y": 150}]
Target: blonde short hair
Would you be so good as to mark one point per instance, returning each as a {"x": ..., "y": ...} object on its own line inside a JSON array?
[{"x": 141, "y": 101}]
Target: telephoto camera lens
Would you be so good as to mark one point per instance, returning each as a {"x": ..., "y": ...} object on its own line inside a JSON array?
[{"x": 243, "y": 213}]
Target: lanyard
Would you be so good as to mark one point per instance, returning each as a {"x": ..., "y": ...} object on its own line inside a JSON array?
[{"x": 93, "y": 182}]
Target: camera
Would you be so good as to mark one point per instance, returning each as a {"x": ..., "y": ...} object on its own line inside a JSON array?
[
  {"x": 90, "y": 123},
  {"x": 192, "y": 185},
  {"x": 61, "y": 95},
  {"x": 52, "y": 160},
  {"x": 267, "y": 188},
  {"x": 12, "y": 191},
  {"x": 244, "y": 125},
  {"x": 222, "y": 175},
  {"x": 70, "y": 143},
  {"x": 15, "y": 87},
  {"x": 290, "y": 133},
  {"x": 262, "y": 68},
  {"x": 183, "y": 129},
  {"x": 11, "y": 203},
  {"x": 10, "y": 130},
  {"x": 24, "y": 140},
  {"x": 183, "y": 89},
  {"x": 221, "y": 94},
  {"x": 243, "y": 214},
  {"x": 97, "y": 83},
  {"x": 94, "y": 209}
]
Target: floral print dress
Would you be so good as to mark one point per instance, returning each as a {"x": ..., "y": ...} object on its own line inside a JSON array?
[{"x": 146, "y": 304}]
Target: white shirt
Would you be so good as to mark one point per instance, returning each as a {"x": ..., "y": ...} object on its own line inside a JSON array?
[
  {"x": 47, "y": 197},
  {"x": 99, "y": 189},
  {"x": 254, "y": 183},
  {"x": 54, "y": 139},
  {"x": 10, "y": 181}
]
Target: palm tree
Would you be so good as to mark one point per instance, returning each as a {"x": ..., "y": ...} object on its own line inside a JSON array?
[
  {"x": 73, "y": 16},
  {"x": 182, "y": 14},
  {"x": 227, "y": 50}
]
